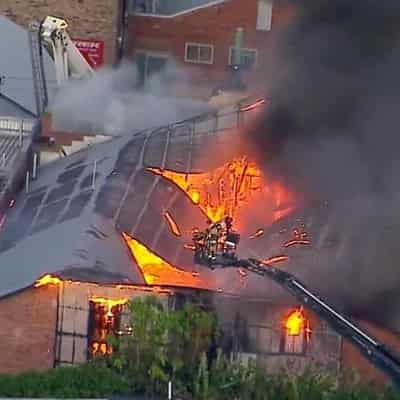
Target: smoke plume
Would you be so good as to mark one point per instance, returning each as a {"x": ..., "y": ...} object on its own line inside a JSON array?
[
  {"x": 331, "y": 133},
  {"x": 111, "y": 103}
]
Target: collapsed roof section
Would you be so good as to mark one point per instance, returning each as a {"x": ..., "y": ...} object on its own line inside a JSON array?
[{"x": 72, "y": 219}]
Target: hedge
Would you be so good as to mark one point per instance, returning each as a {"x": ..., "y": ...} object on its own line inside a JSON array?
[{"x": 86, "y": 381}]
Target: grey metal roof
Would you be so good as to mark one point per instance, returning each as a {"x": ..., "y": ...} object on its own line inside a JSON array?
[
  {"x": 65, "y": 226},
  {"x": 16, "y": 69},
  {"x": 12, "y": 109}
]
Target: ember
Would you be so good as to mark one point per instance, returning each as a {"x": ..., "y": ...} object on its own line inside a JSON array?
[
  {"x": 173, "y": 226},
  {"x": 275, "y": 259},
  {"x": 294, "y": 242},
  {"x": 259, "y": 233},
  {"x": 157, "y": 271},
  {"x": 295, "y": 322},
  {"x": 253, "y": 106},
  {"x": 299, "y": 238}
]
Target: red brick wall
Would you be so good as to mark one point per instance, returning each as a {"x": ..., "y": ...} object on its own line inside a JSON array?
[
  {"x": 352, "y": 358},
  {"x": 61, "y": 138},
  {"x": 27, "y": 330},
  {"x": 88, "y": 19},
  {"x": 214, "y": 25}
]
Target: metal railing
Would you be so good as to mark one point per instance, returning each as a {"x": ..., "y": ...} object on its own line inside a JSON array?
[
  {"x": 208, "y": 123},
  {"x": 13, "y": 131},
  {"x": 12, "y": 126}
]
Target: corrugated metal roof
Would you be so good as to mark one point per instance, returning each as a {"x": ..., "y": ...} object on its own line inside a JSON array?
[
  {"x": 65, "y": 226},
  {"x": 16, "y": 68}
]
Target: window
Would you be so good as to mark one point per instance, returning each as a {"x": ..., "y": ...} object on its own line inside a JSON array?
[
  {"x": 296, "y": 333},
  {"x": 150, "y": 63},
  {"x": 144, "y": 6},
  {"x": 264, "y": 15},
  {"x": 199, "y": 53},
  {"x": 248, "y": 57},
  {"x": 105, "y": 320}
]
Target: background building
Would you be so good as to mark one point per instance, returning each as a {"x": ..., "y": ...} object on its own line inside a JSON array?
[
  {"x": 198, "y": 37},
  {"x": 91, "y": 22}
]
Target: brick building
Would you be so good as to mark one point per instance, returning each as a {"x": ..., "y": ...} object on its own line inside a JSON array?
[
  {"x": 88, "y": 19},
  {"x": 199, "y": 36},
  {"x": 90, "y": 233}
]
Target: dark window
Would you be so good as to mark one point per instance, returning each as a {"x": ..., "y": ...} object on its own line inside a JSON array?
[
  {"x": 150, "y": 64},
  {"x": 248, "y": 57}
]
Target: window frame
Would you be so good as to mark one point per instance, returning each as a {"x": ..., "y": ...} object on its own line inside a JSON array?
[
  {"x": 154, "y": 54},
  {"x": 199, "y": 45},
  {"x": 255, "y": 51},
  {"x": 259, "y": 26}
]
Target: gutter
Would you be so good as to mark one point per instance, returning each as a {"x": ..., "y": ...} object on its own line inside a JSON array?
[{"x": 181, "y": 13}]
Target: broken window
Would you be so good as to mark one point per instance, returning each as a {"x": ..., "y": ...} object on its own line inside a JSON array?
[
  {"x": 199, "y": 53},
  {"x": 296, "y": 333},
  {"x": 105, "y": 321}
]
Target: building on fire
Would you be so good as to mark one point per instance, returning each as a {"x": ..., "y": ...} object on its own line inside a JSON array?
[{"x": 114, "y": 221}]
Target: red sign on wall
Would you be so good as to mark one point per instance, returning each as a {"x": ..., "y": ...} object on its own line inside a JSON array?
[{"x": 92, "y": 50}]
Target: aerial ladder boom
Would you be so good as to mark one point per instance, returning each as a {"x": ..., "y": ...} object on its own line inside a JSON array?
[
  {"x": 69, "y": 62},
  {"x": 216, "y": 247},
  {"x": 372, "y": 349}
]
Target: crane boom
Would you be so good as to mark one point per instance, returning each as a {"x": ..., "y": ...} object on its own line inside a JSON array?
[
  {"x": 216, "y": 247},
  {"x": 69, "y": 62},
  {"x": 372, "y": 349}
]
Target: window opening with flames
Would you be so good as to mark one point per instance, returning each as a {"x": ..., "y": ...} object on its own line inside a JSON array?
[
  {"x": 296, "y": 333},
  {"x": 107, "y": 318}
]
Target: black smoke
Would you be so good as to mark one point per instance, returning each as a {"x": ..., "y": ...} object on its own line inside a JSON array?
[{"x": 332, "y": 132}]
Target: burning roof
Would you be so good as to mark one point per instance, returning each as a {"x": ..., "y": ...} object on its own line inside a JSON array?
[{"x": 134, "y": 225}]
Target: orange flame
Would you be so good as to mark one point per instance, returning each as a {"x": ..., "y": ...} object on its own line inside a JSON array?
[
  {"x": 109, "y": 303},
  {"x": 256, "y": 104},
  {"x": 294, "y": 242},
  {"x": 295, "y": 322},
  {"x": 219, "y": 193},
  {"x": 47, "y": 279},
  {"x": 157, "y": 271},
  {"x": 173, "y": 226},
  {"x": 275, "y": 259},
  {"x": 259, "y": 233}
]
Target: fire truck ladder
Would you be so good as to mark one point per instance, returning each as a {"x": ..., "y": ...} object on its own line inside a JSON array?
[
  {"x": 377, "y": 353},
  {"x": 39, "y": 80}
]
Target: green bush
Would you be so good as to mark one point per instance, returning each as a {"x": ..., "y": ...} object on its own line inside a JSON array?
[{"x": 88, "y": 381}]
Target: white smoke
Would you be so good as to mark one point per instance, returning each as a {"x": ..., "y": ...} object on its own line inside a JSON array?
[{"x": 110, "y": 102}]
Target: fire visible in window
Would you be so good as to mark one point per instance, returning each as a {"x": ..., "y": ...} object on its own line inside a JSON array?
[
  {"x": 297, "y": 333},
  {"x": 105, "y": 321}
]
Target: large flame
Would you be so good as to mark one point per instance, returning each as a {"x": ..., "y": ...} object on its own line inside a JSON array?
[
  {"x": 224, "y": 191},
  {"x": 157, "y": 271},
  {"x": 47, "y": 279},
  {"x": 295, "y": 323}
]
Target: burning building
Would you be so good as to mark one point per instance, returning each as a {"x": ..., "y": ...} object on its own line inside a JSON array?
[{"x": 114, "y": 221}]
